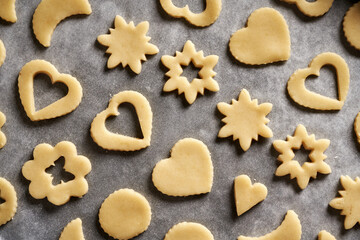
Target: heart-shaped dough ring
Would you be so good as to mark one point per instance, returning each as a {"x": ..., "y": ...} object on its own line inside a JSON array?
[
  {"x": 62, "y": 106},
  {"x": 113, "y": 141},
  {"x": 299, "y": 93}
]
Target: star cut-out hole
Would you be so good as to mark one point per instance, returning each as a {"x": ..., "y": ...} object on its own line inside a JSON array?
[
  {"x": 190, "y": 72},
  {"x": 325, "y": 84},
  {"x": 58, "y": 172},
  {"x": 302, "y": 155},
  {"x": 197, "y": 6}
]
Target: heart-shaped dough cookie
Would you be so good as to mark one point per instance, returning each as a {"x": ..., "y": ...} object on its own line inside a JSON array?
[
  {"x": 189, "y": 170},
  {"x": 113, "y": 141},
  {"x": 247, "y": 195},
  {"x": 62, "y": 106},
  {"x": 312, "y": 8},
  {"x": 266, "y": 39},
  {"x": 299, "y": 93}
]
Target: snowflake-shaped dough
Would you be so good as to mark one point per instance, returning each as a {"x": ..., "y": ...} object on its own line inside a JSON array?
[
  {"x": 308, "y": 169},
  {"x": 245, "y": 119},
  {"x": 349, "y": 202},
  {"x": 181, "y": 83},
  {"x": 127, "y": 44}
]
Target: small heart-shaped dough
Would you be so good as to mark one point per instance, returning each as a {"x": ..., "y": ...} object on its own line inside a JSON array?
[
  {"x": 62, "y": 106},
  {"x": 189, "y": 231},
  {"x": 189, "y": 170},
  {"x": 246, "y": 194},
  {"x": 299, "y": 93},
  {"x": 266, "y": 39},
  {"x": 312, "y": 8},
  {"x": 73, "y": 231}
]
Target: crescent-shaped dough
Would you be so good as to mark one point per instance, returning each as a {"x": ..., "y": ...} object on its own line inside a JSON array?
[
  {"x": 7, "y": 10},
  {"x": 73, "y": 231},
  {"x": 49, "y": 13}
]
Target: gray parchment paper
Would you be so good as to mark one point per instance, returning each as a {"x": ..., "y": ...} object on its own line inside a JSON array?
[{"x": 74, "y": 50}]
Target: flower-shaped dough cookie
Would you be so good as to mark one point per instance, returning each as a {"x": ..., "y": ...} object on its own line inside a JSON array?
[
  {"x": 351, "y": 26},
  {"x": 8, "y": 208},
  {"x": 245, "y": 119},
  {"x": 128, "y": 44},
  {"x": 2, "y": 135},
  {"x": 41, "y": 182},
  {"x": 181, "y": 83},
  {"x": 308, "y": 169}
]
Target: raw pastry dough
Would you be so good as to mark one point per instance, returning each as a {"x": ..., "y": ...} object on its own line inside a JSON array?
[
  {"x": 308, "y": 169},
  {"x": 312, "y": 8},
  {"x": 245, "y": 119},
  {"x": 125, "y": 214},
  {"x": 299, "y": 93},
  {"x": 7, "y": 10},
  {"x": 181, "y": 83},
  {"x": 290, "y": 229},
  {"x": 128, "y": 44},
  {"x": 188, "y": 171},
  {"x": 351, "y": 25},
  {"x": 8, "y": 208},
  {"x": 113, "y": 141},
  {"x": 49, "y": 13},
  {"x": 247, "y": 195},
  {"x": 2, "y": 52},
  {"x": 357, "y": 127},
  {"x": 324, "y": 235},
  {"x": 206, "y": 18},
  {"x": 73, "y": 231},
  {"x": 62, "y": 106},
  {"x": 349, "y": 202},
  {"x": 41, "y": 182},
  {"x": 266, "y": 39},
  {"x": 2, "y": 135},
  {"x": 189, "y": 231}
]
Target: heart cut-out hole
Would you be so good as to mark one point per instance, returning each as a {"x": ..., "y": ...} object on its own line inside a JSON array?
[
  {"x": 197, "y": 6},
  {"x": 190, "y": 72},
  {"x": 302, "y": 155},
  {"x": 325, "y": 84},
  {"x": 46, "y": 92},
  {"x": 126, "y": 123},
  {"x": 58, "y": 172}
]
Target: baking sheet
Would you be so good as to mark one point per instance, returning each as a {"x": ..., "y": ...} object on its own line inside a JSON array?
[{"x": 74, "y": 50}]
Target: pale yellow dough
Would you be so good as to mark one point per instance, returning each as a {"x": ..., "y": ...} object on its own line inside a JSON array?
[
  {"x": 351, "y": 25},
  {"x": 245, "y": 119},
  {"x": 125, "y": 214},
  {"x": 189, "y": 231},
  {"x": 41, "y": 182},
  {"x": 49, "y": 13},
  {"x": 188, "y": 171},
  {"x": 308, "y": 169},
  {"x": 8, "y": 208},
  {"x": 290, "y": 229},
  {"x": 7, "y": 10},
  {"x": 113, "y": 141},
  {"x": 2, "y": 135},
  {"x": 247, "y": 195},
  {"x": 2, "y": 52},
  {"x": 349, "y": 202},
  {"x": 265, "y": 39},
  {"x": 312, "y": 9},
  {"x": 324, "y": 235},
  {"x": 299, "y": 93},
  {"x": 206, "y": 18},
  {"x": 181, "y": 83},
  {"x": 128, "y": 44},
  {"x": 73, "y": 231},
  {"x": 357, "y": 127},
  {"x": 62, "y": 106}
]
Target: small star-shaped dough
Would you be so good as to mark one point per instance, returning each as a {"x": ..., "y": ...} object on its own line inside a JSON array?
[
  {"x": 128, "y": 44},
  {"x": 245, "y": 119}
]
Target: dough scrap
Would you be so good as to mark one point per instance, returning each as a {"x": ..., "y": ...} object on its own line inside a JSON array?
[
  {"x": 189, "y": 231},
  {"x": 2, "y": 135},
  {"x": 204, "y": 19},
  {"x": 181, "y": 83},
  {"x": 349, "y": 202},
  {"x": 2, "y": 52},
  {"x": 41, "y": 182},
  {"x": 247, "y": 195},
  {"x": 265, "y": 39},
  {"x": 308, "y": 169},
  {"x": 7, "y": 10},
  {"x": 73, "y": 231},
  {"x": 290, "y": 229},
  {"x": 312, "y": 9},
  {"x": 357, "y": 127},
  {"x": 8, "y": 208},
  {"x": 59, "y": 108},
  {"x": 299, "y": 93},
  {"x": 351, "y": 26},
  {"x": 128, "y": 44},
  {"x": 245, "y": 119},
  {"x": 188, "y": 171},
  {"x": 125, "y": 214},
  {"x": 324, "y": 235},
  {"x": 49, "y": 13},
  {"x": 113, "y": 141}
]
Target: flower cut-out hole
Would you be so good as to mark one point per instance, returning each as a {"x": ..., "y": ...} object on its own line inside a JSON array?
[
  {"x": 302, "y": 155},
  {"x": 58, "y": 172},
  {"x": 197, "y": 6},
  {"x": 325, "y": 84},
  {"x": 190, "y": 72}
]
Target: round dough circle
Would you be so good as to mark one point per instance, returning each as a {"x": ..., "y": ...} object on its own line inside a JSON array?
[
  {"x": 125, "y": 214},
  {"x": 8, "y": 208},
  {"x": 351, "y": 25}
]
